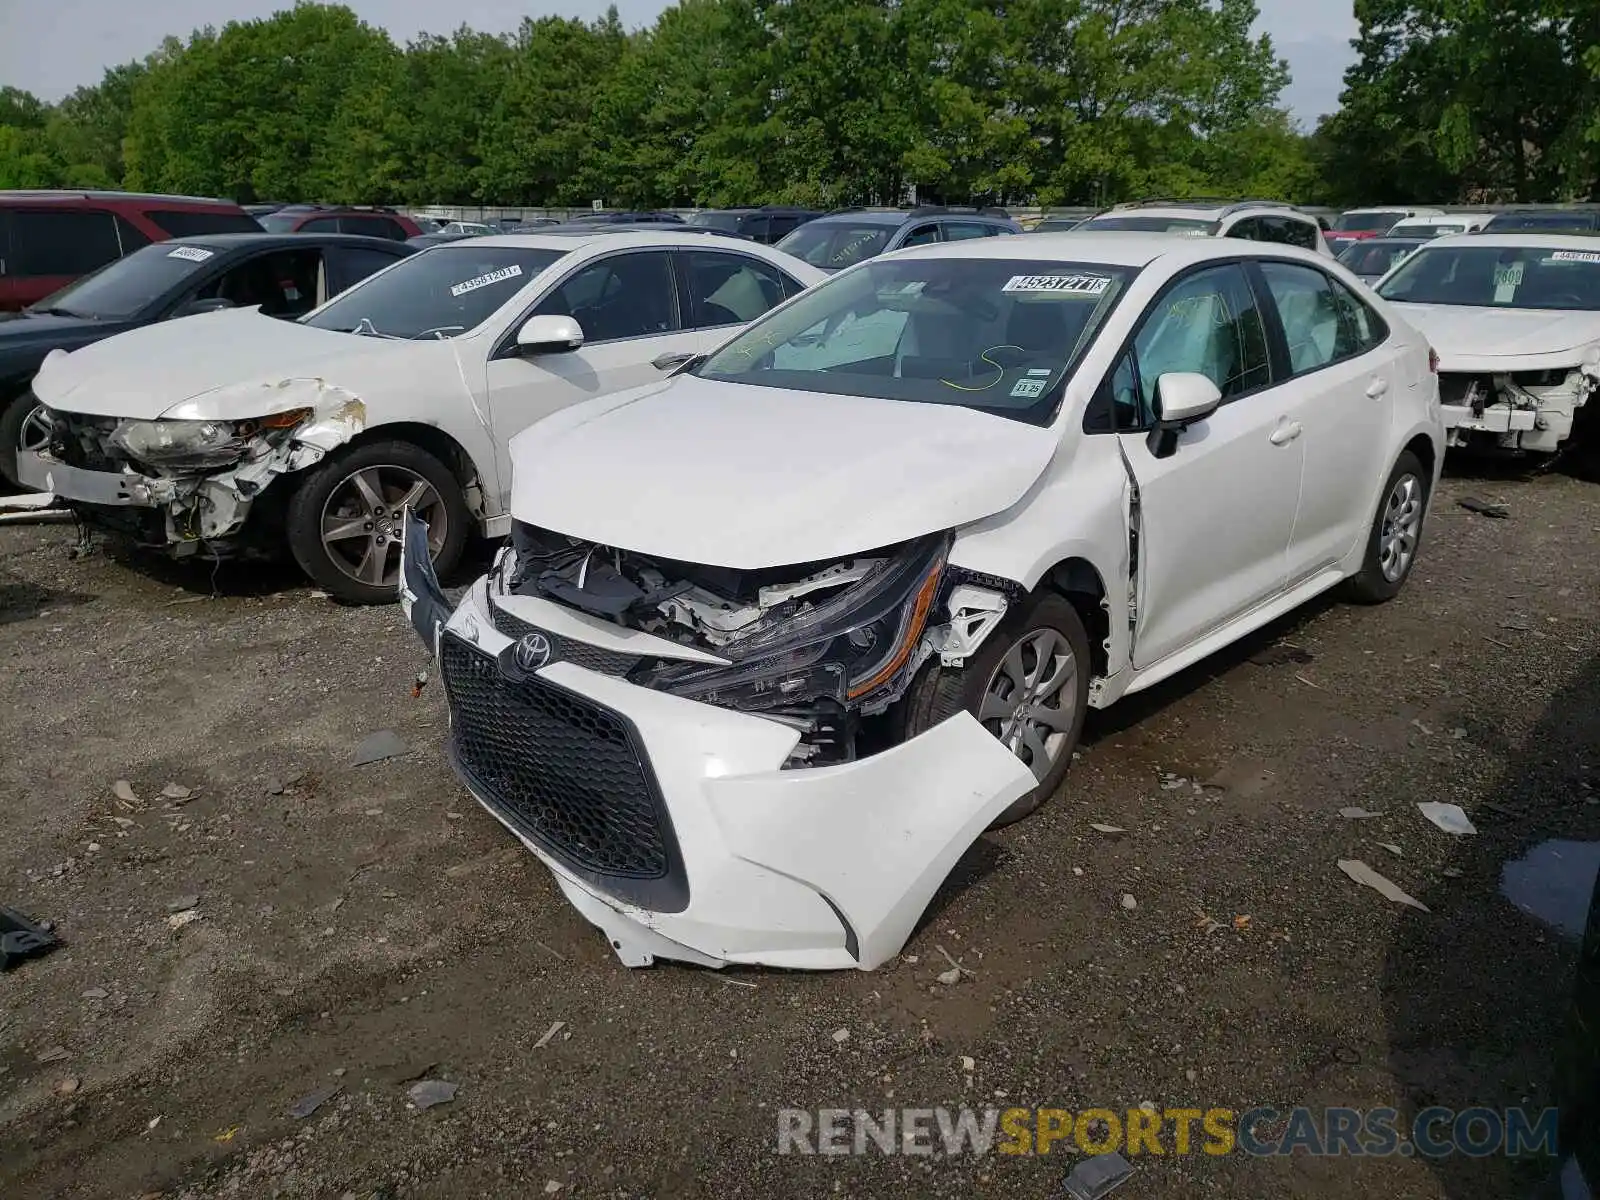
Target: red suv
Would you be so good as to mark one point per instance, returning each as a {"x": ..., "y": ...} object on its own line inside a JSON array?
[
  {"x": 329, "y": 218},
  {"x": 48, "y": 239}
]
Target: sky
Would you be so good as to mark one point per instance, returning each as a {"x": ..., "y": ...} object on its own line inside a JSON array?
[{"x": 50, "y": 47}]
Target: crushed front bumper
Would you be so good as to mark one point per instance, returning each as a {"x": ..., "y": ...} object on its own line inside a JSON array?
[{"x": 670, "y": 824}]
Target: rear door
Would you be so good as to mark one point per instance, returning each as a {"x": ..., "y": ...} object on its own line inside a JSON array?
[
  {"x": 1341, "y": 368},
  {"x": 1217, "y": 514},
  {"x": 720, "y": 291},
  {"x": 50, "y": 247},
  {"x": 627, "y": 305}
]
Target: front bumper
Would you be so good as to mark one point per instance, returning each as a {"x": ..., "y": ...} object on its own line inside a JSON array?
[
  {"x": 671, "y": 825},
  {"x": 110, "y": 488}
]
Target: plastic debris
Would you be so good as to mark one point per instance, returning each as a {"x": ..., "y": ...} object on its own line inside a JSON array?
[
  {"x": 309, "y": 1103},
  {"x": 950, "y": 977},
  {"x": 1097, "y": 1176},
  {"x": 95, "y": 993},
  {"x": 177, "y": 792},
  {"x": 1205, "y": 922},
  {"x": 555, "y": 1028},
  {"x": 227, "y": 1135},
  {"x": 552, "y": 1186},
  {"x": 428, "y": 1092},
  {"x": 182, "y": 903},
  {"x": 968, "y": 1063},
  {"x": 377, "y": 747},
  {"x": 1391, "y": 848},
  {"x": 53, "y": 1054},
  {"x": 1358, "y": 814},
  {"x": 1448, "y": 817},
  {"x": 841, "y": 1036},
  {"x": 1366, "y": 876},
  {"x": 1483, "y": 508},
  {"x": 178, "y": 920},
  {"x": 123, "y": 791},
  {"x": 1106, "y": 829},
  {"x": 22, "y": 939},
  {"x": 417, "y": 684},
  {"x": 1128, "y": 902}
]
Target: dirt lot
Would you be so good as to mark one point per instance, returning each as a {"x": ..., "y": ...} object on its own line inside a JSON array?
[{"x": 360, "y": 926}]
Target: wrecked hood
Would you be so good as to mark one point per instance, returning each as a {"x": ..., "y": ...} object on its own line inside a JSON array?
[
  {"x": 744, "y": 476},
  {"x": 1502, "y": 338},
  {"x": 237, "y": 360}
]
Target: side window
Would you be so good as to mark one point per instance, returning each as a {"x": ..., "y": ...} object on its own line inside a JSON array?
[
  {"x": 626, "y": 295},
  {"x": 373, "y": 227},
  {"x": 349, "y": 265},
  {"x": 782, "y": 225},
  {"x": 320, "y": 225},
  {"x": 61, "y": 241},
  {"x": 282, "y": 283},
  {"x": 1208, "y": 324},
  {"x": 1250, "y": 229},
  {"x": 958, "y": 231},
  {"x": 1365, "y": 328},
  {"x": 755, "y": 227},
  {"x": 131, "y": 236},
  {"x": 1299, "y": 233},
  {"x": 728, "y": 289},
  {"x": 922, "y": 235},
  {"x": 1312, "y": 325}
]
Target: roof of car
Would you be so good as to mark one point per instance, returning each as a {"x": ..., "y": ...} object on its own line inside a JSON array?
[
  {"x": 228, "y": 241},
  {"x": 899, "y": 216},
  {"x": 1111, "y": 249},
  {"x": 1518, "y": 239},
  {"x": 58, "y": 194},
  {"x": 1204, "y": 210},
  {"x": 662, "y": 234}
]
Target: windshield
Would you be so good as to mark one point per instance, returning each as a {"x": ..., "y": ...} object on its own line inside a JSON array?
[
  {"x": 441, "y": 292},
  {"x": 1193, "y": 226},
  {"x": 727, "y": 222},
  {"x": 1000, "y": 336},
  {"x": 1366, "y": 222},
  {"x": 1548, "y": 220},
  {"x": 835, "y": 244},
  {"x": 1499, "y": 277},
  {"x": 1375, "y": 258},
  {"x": 1415, "y": 229},
  {"x": 124, "y": 287}
]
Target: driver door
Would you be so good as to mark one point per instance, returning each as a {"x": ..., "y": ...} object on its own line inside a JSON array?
[
  {"x": 627, "y": 305},
  {"x": 1217, "y": 514}
]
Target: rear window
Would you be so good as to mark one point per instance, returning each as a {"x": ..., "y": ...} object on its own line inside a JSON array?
[
  {"x": 441, "y": 292},
  {"x": 193, "y": 224},
  {"x": 50, "y": 241},
  {"x": 1367, "y": 222},
  {"x": 724, "y": 221},
  {"x": 1192, "y": 226},
  {"x": 833, "y": 245},
  {"x": 281, "y": 222}
]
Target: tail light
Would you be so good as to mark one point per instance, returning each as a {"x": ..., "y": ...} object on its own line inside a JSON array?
[{"x": 1433, "y": 360}]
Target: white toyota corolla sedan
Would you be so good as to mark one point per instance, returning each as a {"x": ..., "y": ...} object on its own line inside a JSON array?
[{"x": 776, "y": 638}]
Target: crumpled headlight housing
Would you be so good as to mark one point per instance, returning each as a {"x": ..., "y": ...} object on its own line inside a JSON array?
[
  {"x": 851, "y": 649},
  {"x": 178, "y": 445}
]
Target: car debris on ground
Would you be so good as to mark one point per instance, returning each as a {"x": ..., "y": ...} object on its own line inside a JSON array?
[
  {"x": 1449, "y": 817},
  {"x": 1365, "y": 875}
]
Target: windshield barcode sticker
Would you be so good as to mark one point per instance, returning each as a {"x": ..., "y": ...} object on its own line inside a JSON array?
[
  {"x": 1574, "y": 256},
  {"x": 1080, "y": 285},
  {"x": 483, "y": 281},
  {"x": 192, "y": 253}
]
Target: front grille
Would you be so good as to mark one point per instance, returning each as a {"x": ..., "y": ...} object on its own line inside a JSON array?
[
  {"x": 582, "y": 654},
  {"x": 569, "y": 774}
]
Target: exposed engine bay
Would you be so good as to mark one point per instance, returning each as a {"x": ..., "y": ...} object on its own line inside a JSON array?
[
  {"x": 1516, "y": 410},
  {"x": 817, "y": 646}
]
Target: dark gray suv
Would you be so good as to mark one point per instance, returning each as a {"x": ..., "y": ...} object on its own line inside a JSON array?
[{"x": 846, "y": 236}]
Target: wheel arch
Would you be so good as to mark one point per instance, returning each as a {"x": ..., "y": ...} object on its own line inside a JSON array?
[
  {"x": 437, "y": 443},
  {"x": 1082, "y": 585}
]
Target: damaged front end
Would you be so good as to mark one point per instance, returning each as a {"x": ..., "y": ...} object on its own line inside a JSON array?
[
  {"x": 1530, "y": 410},
  {"x": 189, "y": 480},
  {"x": 705, "y": 758}
]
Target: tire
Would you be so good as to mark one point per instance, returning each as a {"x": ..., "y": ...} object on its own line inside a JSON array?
[
  {"x": 939, "y": 693},
  {"x": 1379, "y": 578},
  {"x": 13, "y": 419},
  {"x": 366, "y": 535}
]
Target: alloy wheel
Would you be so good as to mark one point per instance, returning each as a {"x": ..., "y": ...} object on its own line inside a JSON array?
[
  {"x": 1402, "y": 522},
  {"x": 361, "y": 521},
  {"x": 34, "y": 436},
  {"x": 1031, "y": 699}
]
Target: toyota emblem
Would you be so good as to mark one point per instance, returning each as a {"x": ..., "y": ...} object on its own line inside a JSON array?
[{"x": 532, "y": 652}]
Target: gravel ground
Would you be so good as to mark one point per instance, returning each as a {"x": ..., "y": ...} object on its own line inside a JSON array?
[{"x": 358, "y": 927}]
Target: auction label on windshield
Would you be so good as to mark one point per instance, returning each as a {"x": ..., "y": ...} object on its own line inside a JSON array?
[
  {"x": 483, "y": 281},
  {"x": 192, "y": 253},
  {"x": 1079, "y": 285},
  {"x": 1574, "y": 256}
]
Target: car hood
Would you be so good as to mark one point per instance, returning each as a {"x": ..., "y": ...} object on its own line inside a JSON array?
[
  {"x": 228, "y": 357},
  {"x": 743, "y": 476},
  {"x": 1461, "y": 333}
]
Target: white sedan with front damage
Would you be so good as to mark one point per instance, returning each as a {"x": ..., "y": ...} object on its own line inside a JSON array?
[
  {"x": 237, "y": 433},
  {"x": 1515, "y": 319},
  {"x": 775, "y": 639}
]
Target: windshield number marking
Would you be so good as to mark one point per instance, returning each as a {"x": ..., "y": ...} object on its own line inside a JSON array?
[
  {"x": 483, "y": 281},
  {"x": 1588, "y": 256},
  {"x": 1079, "y": 285},
  {"x": 191, "y": 253}
]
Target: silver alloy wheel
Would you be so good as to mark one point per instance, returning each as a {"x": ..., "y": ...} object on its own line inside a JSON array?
[
  {"x": 35, "y": 432},
  {"x": 361, "y": 528},
  {"x": 1402, "y": 520},
  {"x": 1031, "y": 699}
]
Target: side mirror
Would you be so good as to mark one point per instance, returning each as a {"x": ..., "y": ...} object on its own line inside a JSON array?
[
  {"x": 549, "y": 335},
  {"x": 193, "y": 308},
  {"x": 1182, "y": 399}
]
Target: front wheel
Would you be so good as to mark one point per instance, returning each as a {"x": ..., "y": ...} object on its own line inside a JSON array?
[
  {"x": 22, "y": 427},
  {"x": 344, "y": 520},
  {"x": 1028, "y": 685},
  {"x": 1396, "y": 534}
]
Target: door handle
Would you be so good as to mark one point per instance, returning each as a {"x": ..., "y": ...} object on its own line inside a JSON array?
[
  {"x": 1378, "y": 388},
  {"x": 1285, "y": 433}
]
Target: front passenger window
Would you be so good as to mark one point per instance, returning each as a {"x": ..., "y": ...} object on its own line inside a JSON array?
[
  {"x": 626, "y": 295},
  {"x": 1207, "y": 324}
]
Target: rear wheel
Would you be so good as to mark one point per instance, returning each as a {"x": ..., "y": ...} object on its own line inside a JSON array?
[
  {"x": 1028, "y": 685},
  {"x": 22, "y": 427},
  {"x": 344, "y": 521},
  {"x": 1396, "y": 534}
]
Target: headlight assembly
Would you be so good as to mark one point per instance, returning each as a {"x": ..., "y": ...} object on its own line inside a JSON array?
[
  {"x": 850, "y": 649},
  {"x": 196, "y": 445}
]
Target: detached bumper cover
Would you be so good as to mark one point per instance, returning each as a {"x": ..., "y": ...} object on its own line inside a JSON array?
[
  {"x": 92, "y": 487},
  {"x": 670, "y": 824}
]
